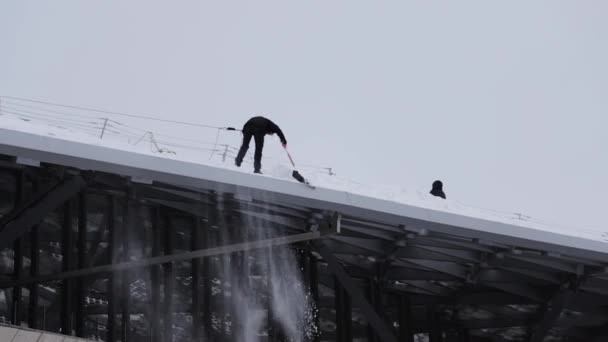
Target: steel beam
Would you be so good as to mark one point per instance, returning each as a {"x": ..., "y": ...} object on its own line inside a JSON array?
[
  {"x": 404, "y": 274},
  {"x": 375, "y": 300},
  {"x": 344, "y": 320},
  {"x": 112, "y": 279},
  {"x": 406, "y": 333},
  {"x": 28, "y": 214},
  {"x": 451, "y": 268},
  {"x": 545, "y": 262},
  {"x": 551, "y": 314},
  {"x": 128, "y": 225},
  {"x": 82, "y": 262},
  {"x": 519, "y": 289},
  {"x": 382, "y": 330},
  {"x": 169, "y": 280},
  {"x": 17, "y": 271},
  {"x": 34, "y": 271},
  {"x": 197, "y": 315},
  {"x": 123, "y": 266},
  {"x": 207, "y": 284},
  {"x": 18, "y": 251},
  {"x": 460, "y": 272},
  {"x": 67, "y": 245},
  {"x": 155, "y": 273}
]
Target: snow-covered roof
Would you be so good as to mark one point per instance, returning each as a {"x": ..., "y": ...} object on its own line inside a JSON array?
[{"x": 394, "y": 207}]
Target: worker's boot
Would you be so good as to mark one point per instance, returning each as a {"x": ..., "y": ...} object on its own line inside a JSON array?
[{"x": 257, "y": 166}]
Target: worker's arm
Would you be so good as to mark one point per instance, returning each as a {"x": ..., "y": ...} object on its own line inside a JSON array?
[{"x": 278, "y": 131}]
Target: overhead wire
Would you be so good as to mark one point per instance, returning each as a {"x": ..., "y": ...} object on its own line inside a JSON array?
[
  {"x": 46, "y": 109},
  {"x": 48, "y": 120},
  {"x": 117, "y": 113},
  {"x": 48, "y": 115}
]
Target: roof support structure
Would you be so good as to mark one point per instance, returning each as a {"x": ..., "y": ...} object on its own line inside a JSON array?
[
  {"x": 169, "y": 281},
  {"x": 197, "y": 304},
  {"x": 553, "y": 311},
  {"x": 127, "y": 228},
  {"x": 112, "y": 255},
  {"x": 29, "y": 213},
  {"x": 405, "y": 320},
  {"x": 67, "y": 287},
  {"x": 18, "y": 249},
  {"x": 433, "y": 273},
  {"x": 382, "y": 330},
  {"x": 82, "y": 246},
  {"x": 343, "y": 313},
  {"x": 155, "y": 277},
  {"x": 159, "y": 260}
]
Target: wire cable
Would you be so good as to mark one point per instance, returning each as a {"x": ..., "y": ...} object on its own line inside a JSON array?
[
  {"x": 52, "y": 121},
  {"x": 49, "y": 115},
  {"x": 48, "y": 110},
  {"x": 119, "y": 113}
]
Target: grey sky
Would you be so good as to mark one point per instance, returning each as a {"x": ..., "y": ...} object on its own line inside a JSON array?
[{"x": 504, "y": 101}]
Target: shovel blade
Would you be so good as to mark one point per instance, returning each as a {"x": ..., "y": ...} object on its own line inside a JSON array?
[{"x": 295, "y": 174}]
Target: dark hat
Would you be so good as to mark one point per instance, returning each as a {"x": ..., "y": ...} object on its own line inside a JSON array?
[{"x": 437, "y": 185}]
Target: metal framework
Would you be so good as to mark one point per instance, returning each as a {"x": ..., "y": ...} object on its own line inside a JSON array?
[{"x": 94, "y": 254}]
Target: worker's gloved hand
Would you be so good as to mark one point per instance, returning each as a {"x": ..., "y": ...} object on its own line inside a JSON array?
[{"x": 284, "y": 143}]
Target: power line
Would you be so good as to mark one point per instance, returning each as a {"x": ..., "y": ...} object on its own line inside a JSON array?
[
  {"x": 117, "y": 113},
  {"x": 47, "y": 120},
  {"x": 49, "y": 110},
  {"x": 50, "y": 116}
]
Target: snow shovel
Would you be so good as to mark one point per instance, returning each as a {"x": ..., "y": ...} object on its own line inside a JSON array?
[{"x": 295, "y": 174}]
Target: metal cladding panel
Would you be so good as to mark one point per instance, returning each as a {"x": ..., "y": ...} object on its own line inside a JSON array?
[
  {"x": 187, "y": 174},
  {"x": 7, "y": 333}
]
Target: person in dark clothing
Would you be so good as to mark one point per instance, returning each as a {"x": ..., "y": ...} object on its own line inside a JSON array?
[
  {"x": 257, "y": 127},
  {"x": 438, "y": 189}
]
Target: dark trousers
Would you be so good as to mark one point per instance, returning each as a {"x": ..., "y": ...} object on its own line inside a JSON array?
[{"x": 259, "y": 146}]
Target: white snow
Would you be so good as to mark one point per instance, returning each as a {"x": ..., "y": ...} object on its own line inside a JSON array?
[{"x": 276, "y": 165}]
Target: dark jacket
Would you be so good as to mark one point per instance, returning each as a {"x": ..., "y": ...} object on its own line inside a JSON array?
[
  {"x": 260, "y": 125},
  {"x": 438, "y": 189}
]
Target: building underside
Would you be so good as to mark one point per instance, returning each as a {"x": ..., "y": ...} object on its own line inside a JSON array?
[{"x": 104, "y": 257}]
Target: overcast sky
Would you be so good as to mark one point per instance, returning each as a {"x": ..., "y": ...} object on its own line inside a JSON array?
[{"x": 506, "y": 102}]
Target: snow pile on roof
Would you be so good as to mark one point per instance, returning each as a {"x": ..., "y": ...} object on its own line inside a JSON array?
[{"x": 222, "y": 155}]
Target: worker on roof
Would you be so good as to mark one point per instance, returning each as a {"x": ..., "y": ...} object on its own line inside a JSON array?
[
  {"x": 257, "y": 127},
  {"x": 438, "y": 189}
]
